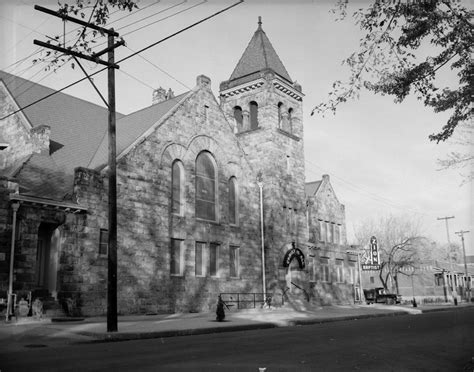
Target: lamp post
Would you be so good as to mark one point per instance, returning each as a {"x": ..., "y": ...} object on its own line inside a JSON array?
[{"x": 264, "y": 289}]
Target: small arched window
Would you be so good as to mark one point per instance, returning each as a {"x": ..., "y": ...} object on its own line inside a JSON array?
[
  {"x": 233, "y": 204},
  {"x": 238, "y": 118},
  {"x": 280, "y": 108},
  {"x": 177, "y": 186},
  {"x": 253, "y": 108},
  {"x": 206, "y": 186},
  {"x": 290, "y": 120}
]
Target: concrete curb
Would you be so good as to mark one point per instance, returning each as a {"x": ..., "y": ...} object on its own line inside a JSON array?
[{"x": 129, "y": 336}]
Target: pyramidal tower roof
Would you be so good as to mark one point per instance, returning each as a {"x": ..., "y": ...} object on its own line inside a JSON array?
[{"x": 259, "y": 55}]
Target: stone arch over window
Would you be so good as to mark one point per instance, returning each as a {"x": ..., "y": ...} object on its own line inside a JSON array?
[
  {"x": 177, "y": 187},
  {"x": 233, "y": 201},
  {"x": 253, "y": 109},
  {"x": 206, "y": 187},
  {"x": 239, "y": 118}
]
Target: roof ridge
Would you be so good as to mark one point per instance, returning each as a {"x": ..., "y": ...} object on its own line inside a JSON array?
[
  {"x": 263, "y": 47},
  {"x": 153, "y": 105}
]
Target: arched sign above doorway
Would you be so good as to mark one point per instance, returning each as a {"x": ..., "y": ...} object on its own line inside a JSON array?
[{"x": 294, "y": 253}]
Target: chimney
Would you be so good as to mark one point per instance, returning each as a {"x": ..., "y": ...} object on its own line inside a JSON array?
[
  {"x": 203, "y": 81},
  {"x": 159, "y": 95}
]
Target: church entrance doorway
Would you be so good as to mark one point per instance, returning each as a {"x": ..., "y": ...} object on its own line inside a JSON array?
[{"x": 294, "y": 261}]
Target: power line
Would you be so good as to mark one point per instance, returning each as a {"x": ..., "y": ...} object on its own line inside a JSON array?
[
  {"x": 368, "y": 194},
  {"x": 127, "y": 57},
  {"x": 159, "y": 68},
  {"x": 150, "y": 16},
  {"x": 136, "y": 79},
  {"x": 164, "y": 18},
  {"x": 24, "y": 38},
  {"x": 44, "y": 77}
]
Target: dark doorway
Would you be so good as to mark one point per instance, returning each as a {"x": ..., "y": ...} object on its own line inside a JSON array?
[{"x": 47, "y": 258}]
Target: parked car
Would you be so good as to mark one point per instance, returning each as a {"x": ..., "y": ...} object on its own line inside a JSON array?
[{"x": 381, "y": 295}]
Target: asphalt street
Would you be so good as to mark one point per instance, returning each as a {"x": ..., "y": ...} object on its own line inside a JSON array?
[{"x": 438, "y": 341}]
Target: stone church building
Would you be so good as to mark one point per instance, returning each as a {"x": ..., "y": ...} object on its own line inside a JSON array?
[{"x": 196, "y": 177}]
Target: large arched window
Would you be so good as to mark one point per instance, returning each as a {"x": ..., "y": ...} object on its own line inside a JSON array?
[
  {"x": 238, "y": 118},
  {"x": 253, "y": 108},
  {"x": 206, "y": 187},
  {"x": 177, "y": 185},
  {"x": 233, "y": 204}
]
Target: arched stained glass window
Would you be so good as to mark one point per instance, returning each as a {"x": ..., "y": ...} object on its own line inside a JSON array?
[
  {"x": 233, "y": 204},
  {"x": 206, "y": 187},
  {"x": 177, "y": 180}
]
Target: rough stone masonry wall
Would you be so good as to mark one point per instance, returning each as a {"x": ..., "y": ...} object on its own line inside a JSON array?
[
  {"x": 326, "y": 207},
  {"x": 145, "y": 224},
  {"x": 279, "y": 157}
]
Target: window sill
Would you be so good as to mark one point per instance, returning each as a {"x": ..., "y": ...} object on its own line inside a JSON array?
[
  {"x": 244, "y": 132},
  {"x": 290, "y": 135},
  {"x": 177, "y": 275},
  {"x": 207, "y": 221}
]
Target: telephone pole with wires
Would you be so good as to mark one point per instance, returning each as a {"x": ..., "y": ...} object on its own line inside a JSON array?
[
  {"x": 468, "y": 278},
  {"x": 112, "y": 322},
  {"x": 451, "y": 281}
]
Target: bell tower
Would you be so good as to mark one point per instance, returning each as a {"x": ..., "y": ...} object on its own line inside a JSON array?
[{"x": 265, "y": 107}]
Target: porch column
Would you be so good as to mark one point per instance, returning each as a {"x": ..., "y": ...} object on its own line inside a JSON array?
[{"x": 15, "y": 207}]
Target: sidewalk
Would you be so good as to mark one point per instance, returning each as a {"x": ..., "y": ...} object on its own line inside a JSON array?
[{"x": 39, "y": 333}]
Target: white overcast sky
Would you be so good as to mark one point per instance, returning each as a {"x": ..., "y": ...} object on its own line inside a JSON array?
[{"x": 376, "y": 152}]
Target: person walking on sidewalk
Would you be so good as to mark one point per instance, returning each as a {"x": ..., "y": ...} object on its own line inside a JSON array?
[{"x": 220, "y": 313}]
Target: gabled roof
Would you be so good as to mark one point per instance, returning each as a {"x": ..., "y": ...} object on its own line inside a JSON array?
[
  {"x": 259, "y": 55},
  {"x": 312, "y": 187},
  {"x": 78, "y": 135},
  {"x": 75, "y": 124},
  {"x": 131, "y": 127},
  {"x": 41, "y": 177}
]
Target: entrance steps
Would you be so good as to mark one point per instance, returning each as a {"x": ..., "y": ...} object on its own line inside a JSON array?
[
  {"x": 51, "y": 307},
  {"x": 299, "y": 302}
]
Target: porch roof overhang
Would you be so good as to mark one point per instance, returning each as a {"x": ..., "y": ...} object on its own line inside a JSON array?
[{"x": 48, "y": 203}]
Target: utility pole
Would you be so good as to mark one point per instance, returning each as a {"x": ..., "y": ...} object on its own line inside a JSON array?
[
  {"x": 449, "y": 254},
  {"x": 112, "y": 172},
  {"x": 468, "y": 279}
]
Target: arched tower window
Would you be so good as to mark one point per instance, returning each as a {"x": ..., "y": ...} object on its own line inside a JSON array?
[
  {"x": 238, "y": 118},
  {"x": 290, "y": 120},
  {"x": 280, "y": 108},
  {"x": 233, "y": 203},
  {"x": 253, "y": 108},
  {"x": 206, "y": 187},
  {"x": 177, "y": 187}
]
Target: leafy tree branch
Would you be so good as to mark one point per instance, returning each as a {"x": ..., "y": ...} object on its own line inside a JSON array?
[{"x": 391, "y": 61}]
